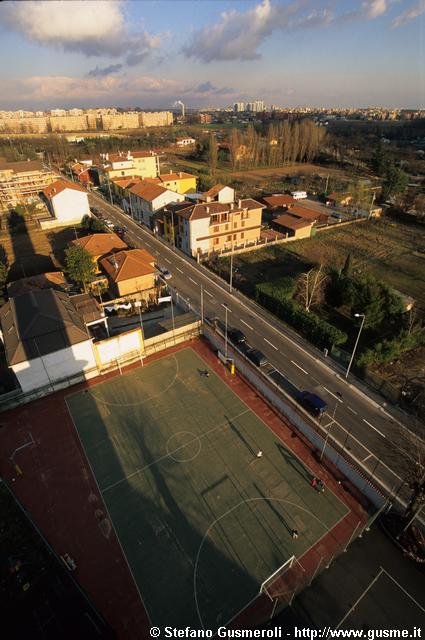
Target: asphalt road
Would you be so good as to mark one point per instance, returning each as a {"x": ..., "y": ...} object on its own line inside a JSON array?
[{"x": 374, "y": 433}]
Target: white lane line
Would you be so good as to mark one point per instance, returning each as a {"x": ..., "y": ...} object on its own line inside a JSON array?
[
  {"x": 375, "y": 429},
  {"x": 194, "y": 281},
  {"x": 332, "y": 394},
  {"x": 247, "y": 325},
  {"x": 179, "y": 270},
  {"x": 297, "y": 365},
  {"x": 226, "y": 307},
  {"x": 147, "y": 244},
  {"x": 272, "y": 345},
  {"x": 208, "y": 293},
  {"x": 167, "y": 260},
  {"x": 352, "y": 410},
  {"x": 367, "y": 457}
]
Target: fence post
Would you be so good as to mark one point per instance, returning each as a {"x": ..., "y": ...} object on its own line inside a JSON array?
[
  {"x": 351, "y": 537},
  {"x": 315, "y": 571}
]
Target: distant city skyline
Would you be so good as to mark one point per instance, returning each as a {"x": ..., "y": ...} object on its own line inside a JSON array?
[{"x": 314, "y": 53}]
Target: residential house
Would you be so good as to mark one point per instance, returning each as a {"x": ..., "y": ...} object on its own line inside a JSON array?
[
  {"x": 295, "y": 228},
  {"x": 133, "y": 163},
  {"x": 80, "y": 172},
  {"x": 131, "y": 272},
  {"x": 46, "y": 339},
  {"x": 278, "y": 202},
  {"x": 203, "y": 228},
  {"x": 67, "y": 203},
  {"x": 147, "y": 198},
  {"x": 180, "y": 182},
  {"x": 312, "y": 215},
  {"x": 120, "y": 188},
  {"x": 336, "y": 199},
  {"x": 99, "y": 245},
  {"x": 219, "y": 193}
]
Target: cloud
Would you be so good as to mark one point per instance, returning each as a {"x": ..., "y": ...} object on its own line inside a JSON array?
[
  {"x": 211, "y": 90},
  {"x": 415, "y": 10},
  {"x": 95, "y": 28},
  {"x": 239, "y": 34},
  {"x": 104, "y": 71}
]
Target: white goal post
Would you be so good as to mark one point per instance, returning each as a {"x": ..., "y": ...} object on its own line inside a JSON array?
[{"x": 274, "y": 576}]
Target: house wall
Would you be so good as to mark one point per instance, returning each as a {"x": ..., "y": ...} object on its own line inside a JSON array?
[
  {"x": 55, "y": 366},
  {"x": 197, "y": 229},
  {"x": 118, "y": 348},
  {"x": 142, "y": 283},
  {"x": 226, "y": 195},
  {"x": 242, "y": 227},
  {"x": 143, "y": 210},
  {"x": 70, "y": 205},
  {"x": 182, "y": 185}
]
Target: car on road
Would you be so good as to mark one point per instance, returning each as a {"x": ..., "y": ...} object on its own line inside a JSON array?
[
  {"x": 164, "y": 272},
  {"x": 119, "y": 231},
  {"x": 312, "y": 402},
  {"x": 109, "y": 224},
  {"x": 257, "y": 357},
  {"x": 95, "y": 211},
  {"x": 236, "y": 336}
]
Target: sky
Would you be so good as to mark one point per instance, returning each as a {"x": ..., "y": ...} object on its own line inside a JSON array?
[{"x": 151, "y": 53}]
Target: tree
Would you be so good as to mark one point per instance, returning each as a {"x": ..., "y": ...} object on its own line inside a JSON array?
[
  {"x": 413, "y": 463},
  {"x": 94, "y": 225},
  {"x": 395, "y": 182},
  {"x": 348, "y": 266},
  {"x": 234, "y": 145},
  {"x": 79, "y": 265},
  {"x": 212, "y": 155},
  {"x": 311, "y": 287},
  {"x": 379, "y": 160}
]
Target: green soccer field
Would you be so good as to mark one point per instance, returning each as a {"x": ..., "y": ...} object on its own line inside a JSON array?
[{"x": 203, "y": 521}]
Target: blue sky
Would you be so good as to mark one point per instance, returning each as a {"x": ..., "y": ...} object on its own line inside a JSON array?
[{"x": 211, "y": 53}]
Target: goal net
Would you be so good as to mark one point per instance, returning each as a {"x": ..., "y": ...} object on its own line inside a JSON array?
[{"x": 269, "y": 585}]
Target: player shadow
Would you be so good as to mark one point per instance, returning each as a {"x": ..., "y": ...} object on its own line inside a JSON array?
[
  {"x": 295, "y": 463},
  {"x": 241, "y": 437},
  {"x": 272, "y": 508}
]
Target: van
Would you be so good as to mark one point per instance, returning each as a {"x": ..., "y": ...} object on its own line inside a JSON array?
[
  {"x": 299, "y": 195},
  {"x": 312, "y": 402}
]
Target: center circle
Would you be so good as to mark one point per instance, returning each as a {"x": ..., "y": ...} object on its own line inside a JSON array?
[{"x": 183, "y": 446}]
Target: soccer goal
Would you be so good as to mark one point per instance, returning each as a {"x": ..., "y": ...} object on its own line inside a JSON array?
[{"x": 267, "y": 584}]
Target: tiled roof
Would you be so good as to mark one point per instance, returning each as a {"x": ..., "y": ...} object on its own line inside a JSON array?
[
  {"x": 215, "y": 190},
  {"x": 148, "y": 191},
  {"x": 50, "y": 280},
  {"x": 126, "y": 265},
  {"x": 279, "y": 200},
  {"x": 192, "y": 211},
  {"x": 290, "y": 222},
  {"x": 38, "y": 323},
  {"x": 126, "y": 182},
  {"x": 99, "y": 244},
  {"x": 60, "y": 185},
  {"x": 303, "y": 212},
  {"x": 22, "y": 166}
]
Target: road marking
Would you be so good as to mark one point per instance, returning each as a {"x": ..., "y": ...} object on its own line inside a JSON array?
[
  {"x": 332, "y": 394},
  {"x": 247, "y": 325},
  {"x": 272, "y": 345},
  {"x": 377, "y": 430},
  {"x": 167, "y": 260},
  {"x": 147, "y": 244},
  {"x": 367, "y": 457},
  {"x": 352, "y": 410},
  {"x": 208, "y": 293},
  {"x": 297, "y": 365},
  {"x": 226, "y": 307},
  {"x": 179, "y": 270},
  {"x": 194, "y": 281}
]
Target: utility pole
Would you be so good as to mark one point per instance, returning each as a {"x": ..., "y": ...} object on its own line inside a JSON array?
[
  {"x": 231, "y": 255},
  {"x": 327, "y": 185},
  {"x": 357, "y": 315},
  {"x": 225, "y": 333},
  {"x": 202, "y": 305}
]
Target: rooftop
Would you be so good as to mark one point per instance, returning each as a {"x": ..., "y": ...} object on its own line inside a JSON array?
[
  {"x": 126, "y": 265},
  {"x": 99, "y": 244},
  {"x": 60, "y": 185},
  {"x": 290, "y": 222}
]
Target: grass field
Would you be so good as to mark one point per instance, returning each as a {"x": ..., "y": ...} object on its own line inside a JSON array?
[{"x": 202, "y": 520}]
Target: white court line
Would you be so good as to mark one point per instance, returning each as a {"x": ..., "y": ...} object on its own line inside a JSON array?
[
  {"x": 341, "y": 622},
  {"x": 297, "y": 365},
  {"x": 404, "y": 590},
  {"x": 194, "y": 281},
  {"x": 332, "y": 394},
  {"x": 226, "y": 307},
  {"x": 179, "y": 270},
  {"x": 208, "y": 293},
  {"x": 352, "y": 410},
  {"x": 374, "y": 428},
  {"x": 167, "y": 260},
  {"x": 367, "y": 457},
  {"x": 247, "y": 325},
  {"x": 272, "y": 345}
]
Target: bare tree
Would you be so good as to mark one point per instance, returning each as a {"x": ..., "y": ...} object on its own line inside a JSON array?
[
  {"x": 212, "y": 155},
  {"x": 234, "y": 145},
  {"x": 311, "y": 287},
  {"x": 412, "y": 459}
]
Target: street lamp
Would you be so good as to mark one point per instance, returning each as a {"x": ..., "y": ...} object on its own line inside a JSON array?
[
  {"x": 225, "y": 330},
  {"x": 356, "y": 315}
]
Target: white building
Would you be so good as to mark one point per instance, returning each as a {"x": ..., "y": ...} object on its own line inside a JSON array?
[
  {"x": 46, "y": 339},
  {"x": 219, "y": 193},
  {"x": 67, "y": 203},
  {"x": 185, "y": 142},
  {"x": 147, "y": 198}
]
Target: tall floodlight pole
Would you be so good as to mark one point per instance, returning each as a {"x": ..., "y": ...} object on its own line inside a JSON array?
[
  {"x": 231, "y": 255},
  {"x": 357, "y": 315},
  {"x": 330, "y": 425},
  {"x": 202, "y": 305},
  {"x": 225, "y": 332}
]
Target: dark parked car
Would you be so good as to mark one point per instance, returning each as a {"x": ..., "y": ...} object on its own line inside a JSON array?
[
  {"x": 119, "y": 231},
  {"x": 312, "y": 402},
  {"x": 257, "y": 357},
  {"x": 236, "y": 336}
]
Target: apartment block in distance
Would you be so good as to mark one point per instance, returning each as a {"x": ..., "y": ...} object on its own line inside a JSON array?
[
  {"x": 203, "y": 228},
  {"x": 155, "y": 118},
  {"x": 127, "y": 120},
  {"x": 21, "y": 182}
]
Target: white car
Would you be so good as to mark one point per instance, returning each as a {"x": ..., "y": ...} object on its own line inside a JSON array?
[
  {"x": 109, "y": 224},
  {"x": 164, "y": 272}
]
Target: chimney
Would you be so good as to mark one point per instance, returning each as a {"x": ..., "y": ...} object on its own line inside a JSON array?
[
  {"x": 180, "y": 174},
  {"x": 239, "y": 204},
  {"x": 207, "y": 209},
  {"x": 107, "y": 157},
  {"x": 232, "y": 204}
]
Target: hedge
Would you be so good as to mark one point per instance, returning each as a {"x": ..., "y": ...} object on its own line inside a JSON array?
[{"x": 275, "y": 296}]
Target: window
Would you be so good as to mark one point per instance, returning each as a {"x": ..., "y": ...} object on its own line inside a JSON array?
[
  {"x": 235, "y": 225},
  {"x": 226, "y": 228},
  {"x": 243, "y": 223},
  {"x": 242, "y": 236},
  {"x": 228, "y": 238},
  {"x": 216, "y": 240},
  {"x": 235, "y": 235},
  {"x": 216, "y": 229}
]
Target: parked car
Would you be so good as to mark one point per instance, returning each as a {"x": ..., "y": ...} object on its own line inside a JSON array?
[
  {"x": 95, "y": 211},
  {"x": 119, "y": 231},
  {"x": 257, "y": 357},
  {"x": 236, "y": 336},
  {"x": 164, "y": 272},
  {"x": 312, "y": 402},
  {"x": 109, "y": 224}
]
